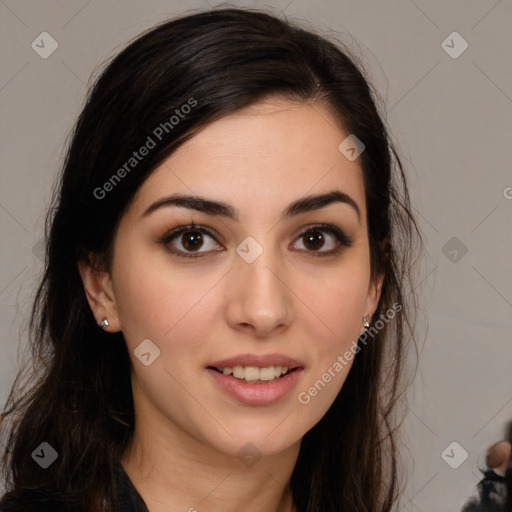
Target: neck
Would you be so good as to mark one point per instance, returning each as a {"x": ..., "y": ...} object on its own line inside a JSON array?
[
  {"x": 501, "y": 470},
  {"x": 169, "y": 466}
]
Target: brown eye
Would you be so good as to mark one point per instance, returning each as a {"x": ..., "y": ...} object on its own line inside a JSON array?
[
  {"x": 191, "y": 239},
  {"x": 314, "y": 239}
]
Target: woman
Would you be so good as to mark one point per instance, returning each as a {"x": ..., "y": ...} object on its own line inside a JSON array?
[{"x": 222, "y": 320}]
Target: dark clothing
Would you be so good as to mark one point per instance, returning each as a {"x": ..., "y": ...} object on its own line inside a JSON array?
[
  {"x": 32, "y": 501},
  {"x": 131, "y": 500},
  {"x": 491, "y": 494},
  {"x": 508, "y": 484}
]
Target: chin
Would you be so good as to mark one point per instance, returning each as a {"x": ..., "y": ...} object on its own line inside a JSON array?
[{"x": 262, "y": 441}]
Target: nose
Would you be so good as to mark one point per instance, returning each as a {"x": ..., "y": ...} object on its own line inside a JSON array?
[{"x": 259, "y": 299}]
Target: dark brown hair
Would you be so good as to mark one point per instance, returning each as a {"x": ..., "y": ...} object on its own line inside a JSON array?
[{"x": 82, "y": 404}]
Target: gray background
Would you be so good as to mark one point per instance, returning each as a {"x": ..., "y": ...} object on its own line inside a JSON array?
[{"x": 452, "y": 120}]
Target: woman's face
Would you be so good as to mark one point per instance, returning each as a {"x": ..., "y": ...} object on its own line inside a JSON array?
[{"x": 263, "y": 288}]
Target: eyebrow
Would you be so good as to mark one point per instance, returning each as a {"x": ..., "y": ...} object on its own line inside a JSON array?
[{"x": 219, "y": 208}]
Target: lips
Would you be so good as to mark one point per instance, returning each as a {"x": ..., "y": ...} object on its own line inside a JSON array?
[
  {"x": 258, "y": 361},
  {"x": 230, "y": 375}
]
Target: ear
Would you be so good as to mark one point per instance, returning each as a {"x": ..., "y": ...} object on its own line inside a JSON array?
[
  {"x": 100, "y": 294},
  {"x": 373, "y": 297}
]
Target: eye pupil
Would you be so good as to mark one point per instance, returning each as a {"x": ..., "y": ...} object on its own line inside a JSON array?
[
  {"x": 314, "y": 236},
  {"x": 192, "y": 241}
]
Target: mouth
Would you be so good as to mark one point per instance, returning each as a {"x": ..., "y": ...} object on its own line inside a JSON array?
[
  {"x": 254, "y": 374},
  {"x": 256, "y": 380}
]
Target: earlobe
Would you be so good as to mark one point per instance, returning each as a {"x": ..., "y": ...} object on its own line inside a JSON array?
[{"x": 100, "y": 295}]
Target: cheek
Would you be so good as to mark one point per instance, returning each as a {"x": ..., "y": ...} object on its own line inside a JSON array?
[
  {"x": 335, "y": 305},
  {"x": 158, "y": 301},
  {"x": 332, "y": 327}
]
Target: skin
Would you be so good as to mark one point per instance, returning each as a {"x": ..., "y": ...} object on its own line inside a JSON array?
[
  {"x": 188, "y": 432},
  {"x": 502, "y": 450}
]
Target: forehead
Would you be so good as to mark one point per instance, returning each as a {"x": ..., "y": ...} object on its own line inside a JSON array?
[{"x": 260, "y": 157}]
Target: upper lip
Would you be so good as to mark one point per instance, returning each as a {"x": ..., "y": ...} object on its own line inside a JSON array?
[{"x": 259, "y": 361}]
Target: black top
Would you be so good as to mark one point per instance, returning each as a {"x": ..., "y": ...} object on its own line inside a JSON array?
[
  {"x": 491, "y": 497},
  {"x": 31, "y": 501},
  {"x": 131, "y": 500}
]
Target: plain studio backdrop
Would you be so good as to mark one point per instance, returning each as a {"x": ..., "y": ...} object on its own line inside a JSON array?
[{"x": 443, "y": 71}]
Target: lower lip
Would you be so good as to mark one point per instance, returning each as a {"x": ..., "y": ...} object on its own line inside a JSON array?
[{"x": 256, "y": 394}]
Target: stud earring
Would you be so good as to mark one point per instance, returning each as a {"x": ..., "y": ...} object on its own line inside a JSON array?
[
  {"x": 366, "y": 321},
  {"x": 104, "y": 323}
]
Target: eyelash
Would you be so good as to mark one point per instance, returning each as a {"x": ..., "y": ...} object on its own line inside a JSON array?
[{"x": 343, "y": 239}]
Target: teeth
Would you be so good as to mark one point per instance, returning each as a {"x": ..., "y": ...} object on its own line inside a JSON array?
[
  {"x": 265, "y": 373},
  {"x": 252, "y": 374},
  {"x": 238, "y": 372}
]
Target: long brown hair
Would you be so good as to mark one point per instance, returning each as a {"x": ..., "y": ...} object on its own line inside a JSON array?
[{"x": 81, "y": 403}]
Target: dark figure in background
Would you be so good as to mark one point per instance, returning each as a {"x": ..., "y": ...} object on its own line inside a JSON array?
[
  {"x": 492, "y": 489},
  {"x": 508, "y": 474}
]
